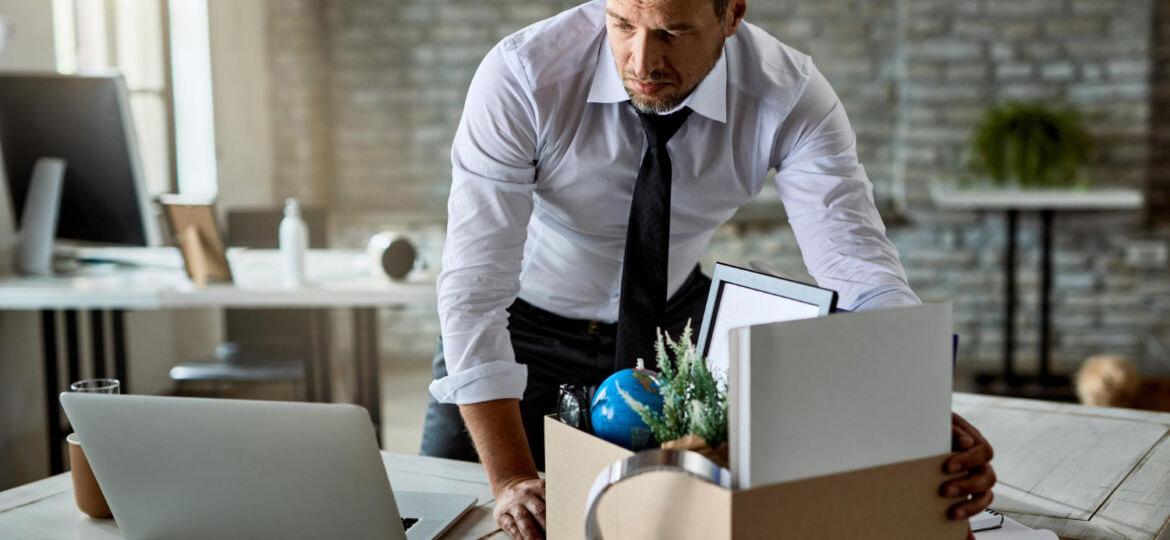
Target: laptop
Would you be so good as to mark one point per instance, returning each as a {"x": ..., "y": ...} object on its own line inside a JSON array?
[{"x": 180, "y": 468}]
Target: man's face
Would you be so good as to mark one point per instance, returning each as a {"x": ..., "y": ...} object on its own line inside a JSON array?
[{"x": 664, "y": 48}]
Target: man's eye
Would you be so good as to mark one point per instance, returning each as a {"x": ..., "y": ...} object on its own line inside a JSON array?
[{"x": 623, "y": 27}]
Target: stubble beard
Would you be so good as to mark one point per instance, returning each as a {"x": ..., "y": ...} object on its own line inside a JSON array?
[{"x": 670, "y": 102}]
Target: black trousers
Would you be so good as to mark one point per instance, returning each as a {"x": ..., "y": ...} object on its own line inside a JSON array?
[{"x": 557, "y": 350}]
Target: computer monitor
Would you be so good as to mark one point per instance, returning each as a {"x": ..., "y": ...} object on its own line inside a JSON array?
[{"x": 86, "y": 120}]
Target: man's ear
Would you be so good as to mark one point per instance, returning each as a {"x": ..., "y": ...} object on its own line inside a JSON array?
[{"x": 735, "y": 12}]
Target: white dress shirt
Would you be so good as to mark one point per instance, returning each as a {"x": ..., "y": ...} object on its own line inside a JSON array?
[{"x": 543, "y": 170}]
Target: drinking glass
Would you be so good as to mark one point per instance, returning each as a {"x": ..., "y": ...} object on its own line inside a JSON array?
[{"x": 97, "y": 386}]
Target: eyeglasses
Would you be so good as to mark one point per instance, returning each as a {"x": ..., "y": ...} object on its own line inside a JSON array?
[{"x": 573, "y": 405}]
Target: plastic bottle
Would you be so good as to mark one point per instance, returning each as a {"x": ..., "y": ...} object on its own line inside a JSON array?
[{"x": 294, "y": 241}]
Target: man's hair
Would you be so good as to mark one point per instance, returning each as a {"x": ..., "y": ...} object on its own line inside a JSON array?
[{"x": 720, "y": 8}]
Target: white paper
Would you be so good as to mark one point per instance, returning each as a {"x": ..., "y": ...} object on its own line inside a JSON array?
[
  {"x": 839, "y": 393},
  {"x": 1013, "y": 530},
  {"x": 742, "y": 306}
]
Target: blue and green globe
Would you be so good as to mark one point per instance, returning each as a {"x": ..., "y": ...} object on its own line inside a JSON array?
[{"x": 613, "y": 417}]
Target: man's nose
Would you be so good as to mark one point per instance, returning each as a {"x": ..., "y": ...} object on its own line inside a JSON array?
[{"x": 645, "y": 55}]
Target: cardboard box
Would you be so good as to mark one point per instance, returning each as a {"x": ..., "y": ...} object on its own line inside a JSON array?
[{"x": 898, "y": 501}]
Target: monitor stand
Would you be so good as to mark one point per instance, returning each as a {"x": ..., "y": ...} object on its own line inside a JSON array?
[{"x": 38, "y": 225}]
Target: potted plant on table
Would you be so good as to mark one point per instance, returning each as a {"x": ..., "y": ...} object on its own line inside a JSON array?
[{"x": 1029, "y": 145}]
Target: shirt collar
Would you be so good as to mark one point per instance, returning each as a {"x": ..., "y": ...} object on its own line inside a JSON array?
[{"x": 709, "y": 98}]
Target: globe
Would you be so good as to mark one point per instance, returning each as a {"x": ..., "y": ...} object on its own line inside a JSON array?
[{"x": 613, "y": 417}]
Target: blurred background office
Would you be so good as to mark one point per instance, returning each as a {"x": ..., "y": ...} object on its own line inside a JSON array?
[{"x": 351, "y": 106}]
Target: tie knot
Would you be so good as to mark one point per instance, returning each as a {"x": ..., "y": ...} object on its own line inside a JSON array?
[{"x": 660, "y": 128}]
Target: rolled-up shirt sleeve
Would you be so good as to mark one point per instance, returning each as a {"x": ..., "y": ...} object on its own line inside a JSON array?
[
  {"x": 493, "y": 160},
  {"x": 829, "y": 201}
]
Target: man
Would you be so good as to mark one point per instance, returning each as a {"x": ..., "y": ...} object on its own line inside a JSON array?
[{"x": 597, "y": 153}]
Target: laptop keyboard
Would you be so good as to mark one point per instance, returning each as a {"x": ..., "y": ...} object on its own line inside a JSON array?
[{"x": 407, "y": 523}]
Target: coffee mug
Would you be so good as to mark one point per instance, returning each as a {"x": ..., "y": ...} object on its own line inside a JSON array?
[{"x": 86, "y": 490}]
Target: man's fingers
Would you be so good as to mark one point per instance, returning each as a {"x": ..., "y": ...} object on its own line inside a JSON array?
[
  {"x": 961, "y": 439},
  {"x": 976, "y": 456},
  {"x": 527, "y": 525},
  {"x": 535, "y": 507},
  {"x": 963, "y": 423},
  {"x": 980, "y": 480},
  {"x": 508, "y": 524},
  {"x": 969, "y": 508}
]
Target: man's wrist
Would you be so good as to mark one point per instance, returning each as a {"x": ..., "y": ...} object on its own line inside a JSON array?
[
  {"x": 499, "y": 438},
  {"x": 513, "y": 480}
]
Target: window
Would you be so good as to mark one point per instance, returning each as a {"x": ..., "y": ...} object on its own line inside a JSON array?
[{"x": 168, "y": 76}]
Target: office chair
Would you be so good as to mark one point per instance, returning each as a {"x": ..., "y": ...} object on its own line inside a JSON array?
[{"x": 264, "y": 345}]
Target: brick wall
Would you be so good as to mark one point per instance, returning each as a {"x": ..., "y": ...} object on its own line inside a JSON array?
[
  {"x": 298, "y": 48},
  {"x": 367, "y": 94},
  {"x": 1091, "y": 55}
]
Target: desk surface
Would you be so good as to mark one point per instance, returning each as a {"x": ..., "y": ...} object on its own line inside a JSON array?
[
  {"x": 1084, "y": 472},
  {"x": 156, "y": 280}
]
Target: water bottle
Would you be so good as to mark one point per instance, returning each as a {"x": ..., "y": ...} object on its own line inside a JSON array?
[{"x": 294, "y": 241}]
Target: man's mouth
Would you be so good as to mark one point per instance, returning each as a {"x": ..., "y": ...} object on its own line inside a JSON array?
[{"x": 647, "y": 88}]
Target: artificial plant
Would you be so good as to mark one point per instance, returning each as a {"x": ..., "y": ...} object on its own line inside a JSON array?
[{"x": 693, "y": 402}]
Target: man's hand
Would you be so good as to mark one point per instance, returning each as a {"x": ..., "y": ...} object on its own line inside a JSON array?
[
  {"x": 520, "y": 508},
  {"x": 503, "y": 448},
  {"x": 973, "y": 457}
]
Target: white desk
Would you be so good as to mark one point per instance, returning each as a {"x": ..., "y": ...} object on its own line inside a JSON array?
[
  {"x": 1087, "y": 473},
  {"x": 153, "y": 279}
]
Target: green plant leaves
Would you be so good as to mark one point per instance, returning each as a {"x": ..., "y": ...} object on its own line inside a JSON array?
[
  {"x": 1030, "y": 145},
  {"x": 693, "y": 402}
]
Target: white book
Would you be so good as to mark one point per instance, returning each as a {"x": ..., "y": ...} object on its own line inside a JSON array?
[{"x": 841, "y": 393}]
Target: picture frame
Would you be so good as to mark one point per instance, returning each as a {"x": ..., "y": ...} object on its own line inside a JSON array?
[
  {"x": 194, "y": 230},
  {"x": 772, "y": 299}
]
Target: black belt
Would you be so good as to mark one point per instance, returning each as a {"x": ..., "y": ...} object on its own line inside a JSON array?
[
  {"x": 692, "y": 291},
  {"x": 558, "y": 323}
]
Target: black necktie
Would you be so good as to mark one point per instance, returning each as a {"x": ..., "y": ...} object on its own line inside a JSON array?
[{"x": 643, "y": 296}]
